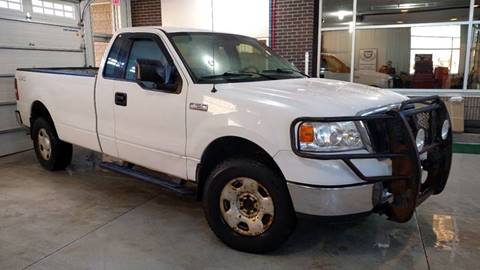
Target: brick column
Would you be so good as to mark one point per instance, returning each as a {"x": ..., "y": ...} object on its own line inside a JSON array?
[
  {"x": 293, "y": 32},
  {"x": 146, "y": 12}
]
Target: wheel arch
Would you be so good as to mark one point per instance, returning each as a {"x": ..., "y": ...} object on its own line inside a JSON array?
[
  {"x": 38, "y": 109},
  {"x": 227, "y": 147}
]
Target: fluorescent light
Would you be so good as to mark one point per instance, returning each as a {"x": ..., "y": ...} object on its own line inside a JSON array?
[
  {"x": 454, "y": 19},
  {"x": 399, "y": 21},
  {"x": 404, "y": 10},
  {"x": 342, "y": 13}
]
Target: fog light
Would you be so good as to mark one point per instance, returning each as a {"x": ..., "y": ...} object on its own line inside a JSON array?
[
  {"x": 445, "y": 129},
  {"x": 420, "y": 139}
]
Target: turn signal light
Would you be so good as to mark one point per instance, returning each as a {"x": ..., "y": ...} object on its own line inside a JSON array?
[{"x": 306, "y": 133}]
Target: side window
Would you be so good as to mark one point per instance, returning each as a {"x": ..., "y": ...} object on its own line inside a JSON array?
[
  {"x": 117, "y": 58},
  {"x": 144, "y": 49}
]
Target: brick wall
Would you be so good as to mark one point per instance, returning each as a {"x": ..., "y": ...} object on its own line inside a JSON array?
[
  {"x": 101, "y": 14},
  {"x": 146, "y": 12},
  {"x": 294, "y": 30}
]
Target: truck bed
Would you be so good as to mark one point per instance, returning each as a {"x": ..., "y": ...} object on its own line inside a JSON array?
[
  {"x": 69, "y": 95},
  {"x": 74, "y": 71}
]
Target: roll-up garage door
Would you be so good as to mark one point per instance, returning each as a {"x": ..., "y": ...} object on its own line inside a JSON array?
[{"x": 33, "y": 33}]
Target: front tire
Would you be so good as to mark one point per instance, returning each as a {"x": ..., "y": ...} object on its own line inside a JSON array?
[
  {"x": 52, "y": 153},
  {"x": 248, "y": 206}
]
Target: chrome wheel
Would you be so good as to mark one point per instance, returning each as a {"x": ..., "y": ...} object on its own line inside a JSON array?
[
  {"x": 44, "y": 145},
  {"x": 246, "y": 206}
]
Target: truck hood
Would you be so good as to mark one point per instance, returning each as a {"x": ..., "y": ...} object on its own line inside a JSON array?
[{"x": 312, "y": 96}]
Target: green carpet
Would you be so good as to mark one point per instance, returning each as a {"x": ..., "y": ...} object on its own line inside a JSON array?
[{"x": 466, "y": 148}]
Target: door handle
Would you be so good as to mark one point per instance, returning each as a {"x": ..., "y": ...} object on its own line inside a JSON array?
[{"x": 121, "y": 99}]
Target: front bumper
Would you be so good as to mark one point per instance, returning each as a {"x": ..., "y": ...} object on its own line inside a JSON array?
[
  {"x": 336, "y": 201},
  {"x": 392, "y": 132}
]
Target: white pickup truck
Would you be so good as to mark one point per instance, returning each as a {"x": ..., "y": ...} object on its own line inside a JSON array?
[{"x": 259, "y": 140}]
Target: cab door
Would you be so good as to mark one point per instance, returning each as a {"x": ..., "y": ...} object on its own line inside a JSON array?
[{"x": 150, "y": 122}]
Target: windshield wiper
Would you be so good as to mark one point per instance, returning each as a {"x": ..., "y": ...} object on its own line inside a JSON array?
[
  {"x": 229, "y": 75},
  {"x": 261, "y": 74},
  {"x": 285, "y": 71}
]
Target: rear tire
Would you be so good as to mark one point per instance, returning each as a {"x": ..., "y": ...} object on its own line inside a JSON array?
[
  {"x": 52, "y": 153},
  {"x": 248, "y": 206}
]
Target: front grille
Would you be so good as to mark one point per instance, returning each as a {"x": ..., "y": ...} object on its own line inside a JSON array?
[
  {"x": 423, "y": 120},
  {"x": 385, "y": 133}
]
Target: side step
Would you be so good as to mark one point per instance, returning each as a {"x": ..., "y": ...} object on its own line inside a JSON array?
[{"x": 166, "y": 184}]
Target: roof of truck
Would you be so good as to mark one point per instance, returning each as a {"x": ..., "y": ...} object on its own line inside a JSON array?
[
  {"x": 181, "y": 29},
  {"x": 165, "y": 29}
]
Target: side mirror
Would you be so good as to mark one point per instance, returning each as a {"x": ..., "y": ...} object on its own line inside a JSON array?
[{"x": 153, "y": 74}]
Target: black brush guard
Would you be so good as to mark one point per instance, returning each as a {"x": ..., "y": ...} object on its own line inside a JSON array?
[{"x": 392, "y": 136}]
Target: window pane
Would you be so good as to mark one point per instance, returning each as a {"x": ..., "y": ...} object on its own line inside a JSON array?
[
  {"x": 143, "y": 49},
  {"x": 434, "y": 42},
  {"x": 51, "y": 8},
  {"x": 48, "y": 4},
  {"x": 11, "y": 4},
  {"x": 372, "y": 12},
  {"x": 476, "y": 13},
  {"x": 440, "y": 58},
  {"x": 474, "y": 70},
  {"x": 337, "y": 13},
  {"x": 37, "y": 9},
  {"x": 336, "y": 55},
  {"x": 115, "y": 66},
  {"x": 14, "y": 6},
  {"x": 416, "y": 57}
]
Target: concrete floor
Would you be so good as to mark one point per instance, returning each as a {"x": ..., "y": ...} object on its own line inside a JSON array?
[{"x": 86, "y": 218}]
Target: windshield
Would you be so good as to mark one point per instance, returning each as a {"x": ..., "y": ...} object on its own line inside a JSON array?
[{"x": 220, "y": 58}]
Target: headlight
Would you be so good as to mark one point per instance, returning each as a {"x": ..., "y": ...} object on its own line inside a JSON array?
[
  {"x": 326, "y": 137},
  {"x": 445, "y": 129},
  {"x": 420, "y": 139}
]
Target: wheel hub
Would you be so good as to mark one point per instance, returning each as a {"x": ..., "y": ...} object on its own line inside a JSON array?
[
  {"x": 246, "y": 206},
  {"x": 249, "y": 205},
  {"x": 44, "y": 144}
]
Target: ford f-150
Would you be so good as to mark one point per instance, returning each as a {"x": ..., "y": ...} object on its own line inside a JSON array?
[{"x": 259, "y": 140}]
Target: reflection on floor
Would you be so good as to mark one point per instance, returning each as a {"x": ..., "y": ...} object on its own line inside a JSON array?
[{"x": 86, "y": 218}]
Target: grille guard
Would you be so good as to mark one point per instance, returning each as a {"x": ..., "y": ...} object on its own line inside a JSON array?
[{"x": 401, "y": 124}]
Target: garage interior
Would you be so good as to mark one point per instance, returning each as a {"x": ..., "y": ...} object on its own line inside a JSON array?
[{"x": 89, "y": 218}]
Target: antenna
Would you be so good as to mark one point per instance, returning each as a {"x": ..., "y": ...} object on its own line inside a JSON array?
[{"x": 214, "y": 90}]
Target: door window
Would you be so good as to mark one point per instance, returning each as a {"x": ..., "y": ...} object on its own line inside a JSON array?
[
  {"x": 144, "y": 49},
  {"x": 116, "y": 60}
]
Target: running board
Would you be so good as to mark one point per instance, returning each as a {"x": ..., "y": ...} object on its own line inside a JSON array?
[{"x": 166, "y": 184}]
